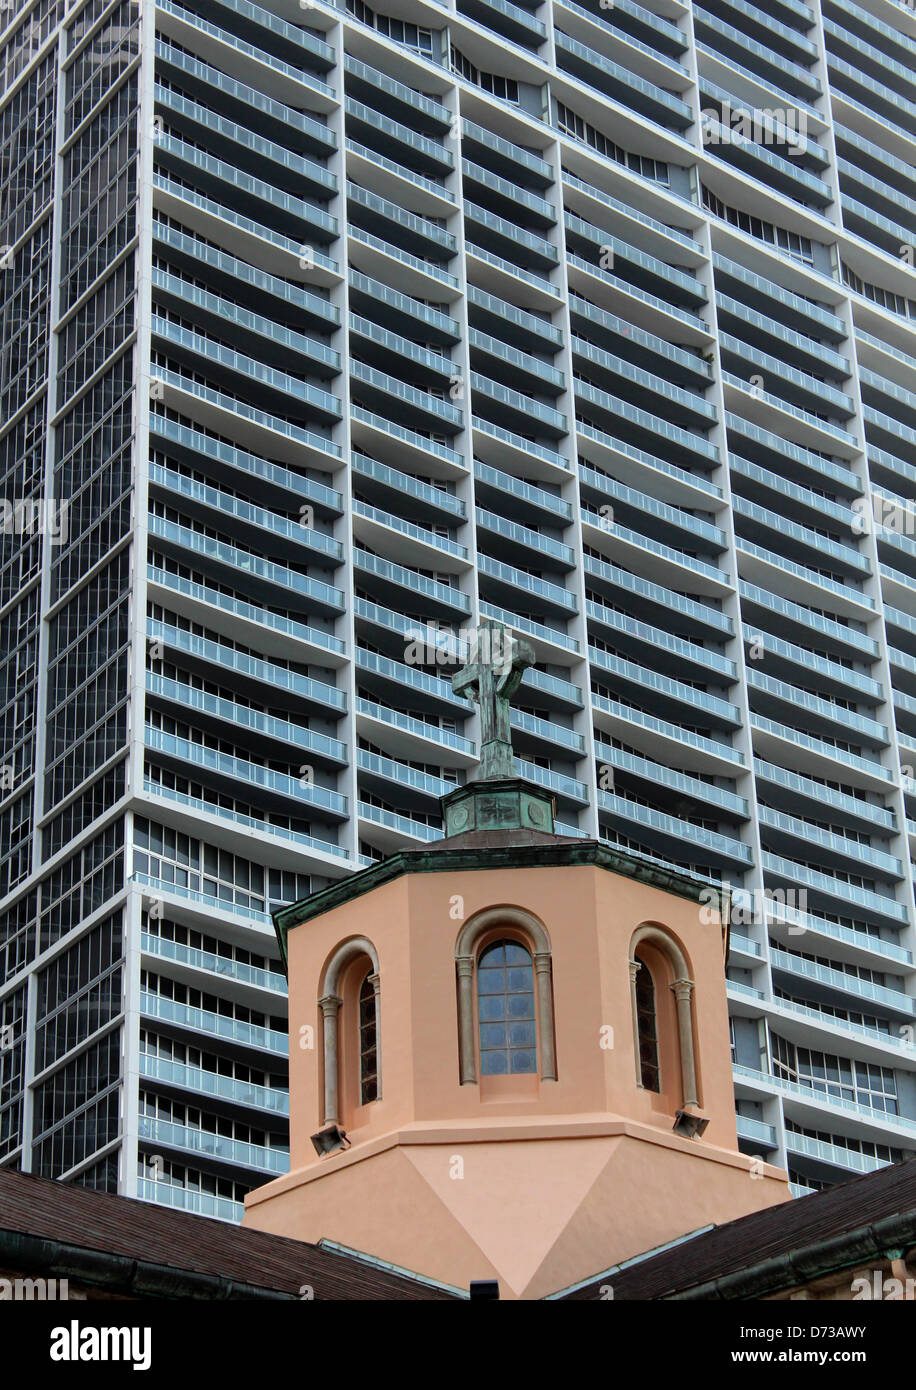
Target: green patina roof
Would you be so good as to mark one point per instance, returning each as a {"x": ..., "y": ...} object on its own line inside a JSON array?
[{"x": 552, "y": 853}]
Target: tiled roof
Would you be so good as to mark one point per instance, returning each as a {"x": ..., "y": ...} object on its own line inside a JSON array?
[
  {"x": 161, "y": 1242},
  {"x": 779, "y": 1247}
]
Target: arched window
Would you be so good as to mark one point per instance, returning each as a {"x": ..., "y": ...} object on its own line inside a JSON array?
[
  {"x": 647, "y": 1028},
  {"x": 368, "y": 1042},
  {"x": 350, "y": 1011},
  {"x": 509, "y": 978},
  {"x": 663, "y": 1022},
  {"x": 505, "y": 1005}
]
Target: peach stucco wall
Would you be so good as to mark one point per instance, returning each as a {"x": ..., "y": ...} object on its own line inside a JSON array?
[{"x": 549, "y": 1181}]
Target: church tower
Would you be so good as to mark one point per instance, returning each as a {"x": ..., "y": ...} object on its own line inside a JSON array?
[{"x": 509, "y": 1049}]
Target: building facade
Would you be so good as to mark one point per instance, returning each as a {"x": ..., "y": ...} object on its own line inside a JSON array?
[{"x": 329, "y": 330}]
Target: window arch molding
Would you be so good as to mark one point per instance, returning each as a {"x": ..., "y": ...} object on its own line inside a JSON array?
[
  {"x": 682, "y": 987},
  {"x": 471, "y": 938},
  {"x": 330, "y": 1002}
]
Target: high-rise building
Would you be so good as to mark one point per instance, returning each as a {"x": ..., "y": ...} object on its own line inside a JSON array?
[{"x": 329, "y": 330}]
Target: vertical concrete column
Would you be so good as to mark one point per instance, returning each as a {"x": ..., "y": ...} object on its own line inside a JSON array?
[
  {"x": 683, "y": 991},
  {"x": 634, "y": 971},
  {"x": 545, "y": 1015},
  {"x": 330, "y": 1007},
  {"x": 467, "y": 1060}
]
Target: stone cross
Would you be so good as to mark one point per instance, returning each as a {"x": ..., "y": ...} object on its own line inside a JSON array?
[{"x": 495, "y": 666}]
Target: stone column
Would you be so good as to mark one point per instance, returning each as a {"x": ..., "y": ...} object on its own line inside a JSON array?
[
  {"x": 467, "y": 1058},
  {"x": 545, "y": 1015},
  {"x": 635, "y": 968},
  {"x": 330, "y": 1007},
  {"x": 683, "y": 990}
]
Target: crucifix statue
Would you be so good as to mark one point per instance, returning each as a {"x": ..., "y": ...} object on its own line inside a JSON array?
[{"x": 496, "y": 663}]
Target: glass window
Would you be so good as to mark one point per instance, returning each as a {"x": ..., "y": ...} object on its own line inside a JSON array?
[
  {"x": 647, "y": 1028},
  {"x": 368, "y": 1043},
  {"x": 505, "y": 996}
]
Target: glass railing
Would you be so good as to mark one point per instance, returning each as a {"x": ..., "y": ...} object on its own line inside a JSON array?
[
  {"x": 395, "y": 343},
  {"x": 400, "y": 171},
  {"x": 256, "y": 467},
  {"x": 240, "y": 769},
  {"x": 519, "y": 442},
  {"x": 245, "y": 717},
  {"x": 410, "y": 437},
  {"x": 201, "y": 251},
  {"x": 808, "y": 617},
  {"x": 525, "y": 158},
  {"x": 664, "y": 552},
  {"x": 519, "y": 579},
  {"x": 618, "y": 77},
  {"x": 433, "y": 318},
  {"x": 404, "y": 94},
  {"x": 650, "y": 381},
  {"x": 755, "y": 1130},
  {"x": 646, "y": 679},
  {"x": 216, "y": 965},
  {"x": 665, "y": 598},
  {"x": 549, "y": 730},
  {"x": 777, "y": 61},
  {"x": 827, "y": 709},
  {"x": 181, "y": 484},
  {"x": 404, "y": 825},
  {"x": 265, "y": 829},
  {"x": 658, "y": 637},
  {"x": 618, "y": 710},
  {"x": 209, "y": 1083},
  {"x": 663, "y": 776},
  {"x": 825, "y": 796},
  {"x": 259, "y": 101},
  {"x": 509, "y": 268},
  {"x": 811, "y": 1093},
  {"x": 626, "y": 252},
  {"x": 820, "y": 746},
  {"x": 164, "y": 888},
  {"x": 414, "y": 262},
  {"x": 408, "y": 485},
  {"x": 796, "y": 491},
  {"x": 549, "y": 502},
  {"x": 513, "y": 192},
  {"x": 619, "y": 446},
  {"x": 652, "y": 424},
  {"x": 407, "y": 528},
  {"x": 820, "y": 390},
  {"x": 528, "y": 626},
  {"x": 523, "y": 535},
  {"x": 228, "y": 312},
  {"x": 495, "y": 347},
  {"x": 805, "y": 416},
  {"x": 251, "y": 666},
  {"x": 775, "y": 93},
  {"x": 239, "y": 608},
  {"x": 695, "y": 526},
  {"x": 409, "y": 579},
  {"x": 409, "y": 724},
  {"x": 510, "y": 231},
  {"x": 853, "y": 850},
  {"x": 245, "y": 562},
  {"x": 204, "y": 1141},
  {"x": 634, "y": 812},
  {"x": 674, "y": 233},
  {"x": 614, "y": 282},
  {"x": 835, "y": 887},
  {"x": 170, "y": 1194},
  {"x": 410, "y": 221},
  {"x": 840, "y": 979},
  {"x": 307, "y": 170},
  {"x": 237, "y": 219},
  {"x": 810, "y": 576},
  {"x": 822, "y": 354},
  {"x": 216, "y": 1025},
  {"x": 545, "y": 415},
  {"x": 290, "y": 33},
  {"x": 409, "y": 675},
  {"x": 249, "y": 367},
  {"x": 421, "y": 400},
  {"x": 396, "y": 131},
  {"x": 725, "y": 138},
  {"x": 261, "y": 55},
  {"x": 624, "y": 329},
  {"x": 395, "y": 771},
  {"x": 773, "y": 291}
]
